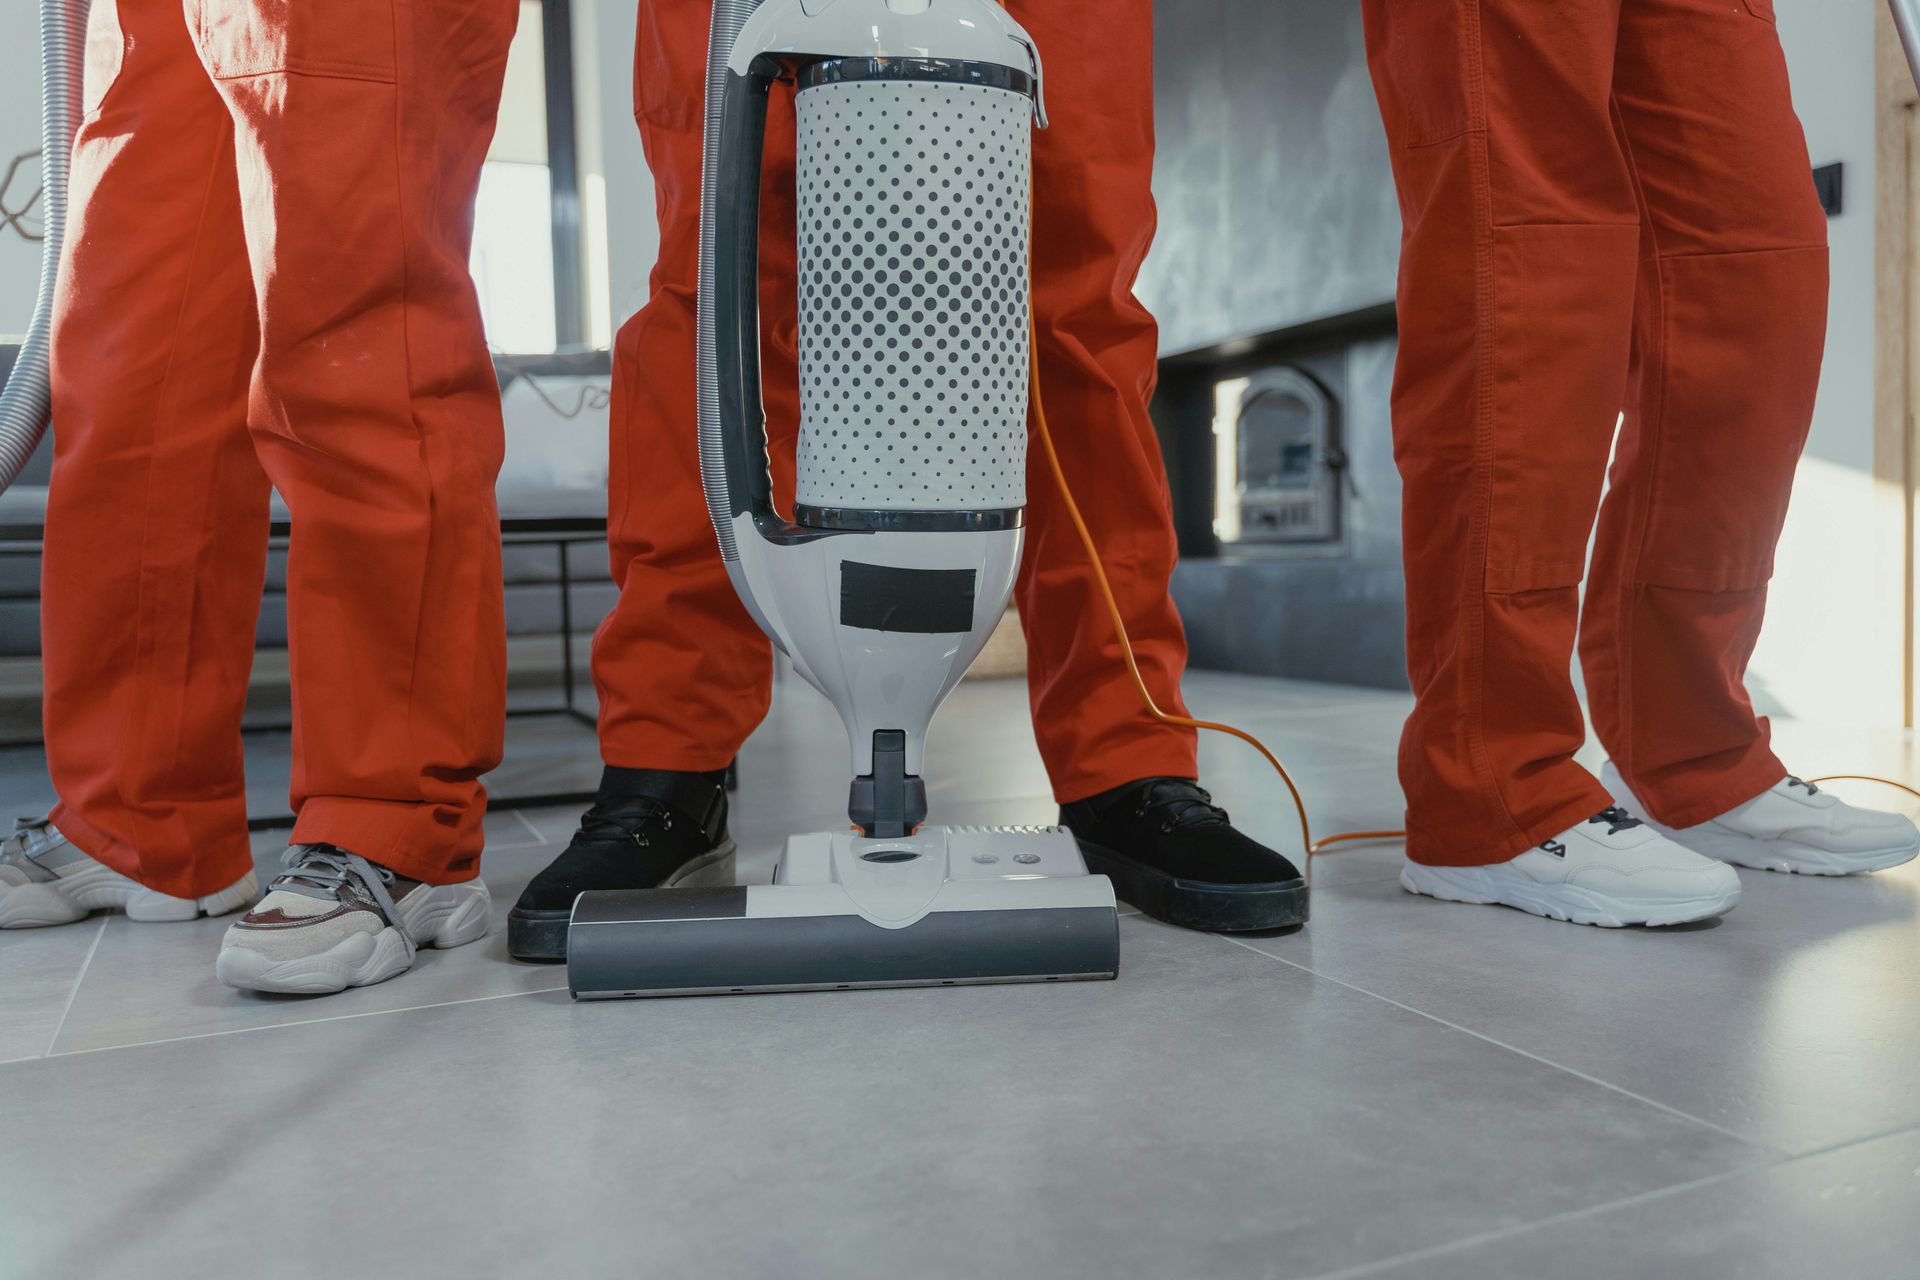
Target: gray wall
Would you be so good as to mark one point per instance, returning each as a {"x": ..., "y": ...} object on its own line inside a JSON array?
[
  {"x": 1276, "y": 206},
  {"x": 1277, "y": 212}
]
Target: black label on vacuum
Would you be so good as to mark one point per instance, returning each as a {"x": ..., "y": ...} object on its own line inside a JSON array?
[{"x": 878, "y": 597}]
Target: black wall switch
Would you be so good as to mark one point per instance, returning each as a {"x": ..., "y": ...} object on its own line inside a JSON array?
[{"x": 1826, "y": 183}]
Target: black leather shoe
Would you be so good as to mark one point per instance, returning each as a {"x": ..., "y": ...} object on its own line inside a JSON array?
[
  {"x": 650, "y": 829},
  {"x": 1171, "y": 852}
]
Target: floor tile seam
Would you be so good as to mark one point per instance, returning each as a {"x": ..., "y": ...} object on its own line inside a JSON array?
[
  {"x": 73, "y": 992},
  {"x": 1899, "y": 1131},
  {"x": 525, "y": 821},
  {"x": 1621, "y": 1090},
  {"x": 1479, "y": 1239},
  {"x": 301, "y": 1022}
]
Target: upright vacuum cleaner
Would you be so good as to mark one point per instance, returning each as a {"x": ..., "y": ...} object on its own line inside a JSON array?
[{"x": 914, "y": 131}]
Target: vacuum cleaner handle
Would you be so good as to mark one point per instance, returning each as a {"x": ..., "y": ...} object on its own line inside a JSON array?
[
  {"x": 736, "y": 296},
  {"x": 736, "y": 307}
]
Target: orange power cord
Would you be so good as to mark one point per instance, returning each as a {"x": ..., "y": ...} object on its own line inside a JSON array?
[
  {"x": 1308, "y": 844},
  {"x": 1867, "y": 777}
]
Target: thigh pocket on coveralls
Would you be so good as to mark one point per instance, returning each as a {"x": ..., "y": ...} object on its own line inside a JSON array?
[
  {"x": 1704, "y": 538},
  {"x": 1744, "y": 347},
  {"x": 1761, "y": 9},
  {"x": 348, "y": 39},
  {"x": 1421, "y": 59},
  {"x": 1560, "y": 320}
]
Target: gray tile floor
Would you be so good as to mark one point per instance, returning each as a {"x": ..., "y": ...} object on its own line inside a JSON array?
[{"x": 1405, "y": 1088}]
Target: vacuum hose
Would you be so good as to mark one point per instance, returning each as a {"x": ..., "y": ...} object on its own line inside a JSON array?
[
  {"x": 729, "y": 16},
  {"x": 25, "y": 403}
]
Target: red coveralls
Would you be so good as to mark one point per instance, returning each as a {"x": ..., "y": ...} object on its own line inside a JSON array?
[
  {"x": 1606, "y": 204},
  {"x": 266, "y": 281},
  {"x": 683, "y": 673}
]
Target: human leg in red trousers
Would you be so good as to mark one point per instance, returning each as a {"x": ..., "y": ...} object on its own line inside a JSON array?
[
  {"x": 1605, "y": 206},
  {"x": 683, "y": 673},
  {"x": 267, "y": 282}
]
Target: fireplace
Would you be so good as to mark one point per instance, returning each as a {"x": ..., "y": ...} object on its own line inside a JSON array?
[
  {"x": 1278, "y": 460},
  {"x": 1286, "y": 501}
]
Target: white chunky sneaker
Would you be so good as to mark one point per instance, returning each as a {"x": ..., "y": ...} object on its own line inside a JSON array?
[
  {"x": 1794, "y": 826},
  {"x": 334, "y": 920},
  {"x": 45, "y": 880},
  {"x": 1611, "y": 870}
]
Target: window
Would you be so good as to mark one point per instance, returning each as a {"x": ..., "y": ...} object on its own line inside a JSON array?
[{"x": 526, "y": 259}]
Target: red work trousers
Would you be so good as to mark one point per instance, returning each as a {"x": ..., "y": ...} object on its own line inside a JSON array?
[
  {"x": 683, "y": 673},
  {"x": 1607, "y": 205},
  {"x": 266, "y": 284}
]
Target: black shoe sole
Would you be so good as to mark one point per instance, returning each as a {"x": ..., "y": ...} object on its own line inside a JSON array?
[
  {"x": 541, "y": 936},
  {"x": 1201, "y": 904}
]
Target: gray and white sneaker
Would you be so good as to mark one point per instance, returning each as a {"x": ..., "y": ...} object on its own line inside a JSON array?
[
  {"x": 46, "y": 880},
  {"x": 1611, "y": 870},
  {"x": 1794, "y": 826},
  {"x": 334, "y": 920}
]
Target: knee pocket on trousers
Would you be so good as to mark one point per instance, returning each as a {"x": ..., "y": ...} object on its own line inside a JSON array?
[
  {"x": 1730, "y": 577},
  {"x": 347, "y": 39},
  {"x": 1509, "y": 576},
  {"x": 1420, "y": 63}
]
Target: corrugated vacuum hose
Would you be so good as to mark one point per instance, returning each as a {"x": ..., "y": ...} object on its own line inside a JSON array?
[{"x": 25, "y": 403}]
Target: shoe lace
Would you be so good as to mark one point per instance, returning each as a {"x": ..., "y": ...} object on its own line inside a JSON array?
[
  {"x": 1616, "y": 818},
  {"x": 1812, "y": 790},
  {"x": 324, "y": 871},
  {"x": 625, "y": 818},
  {"x": 1180, "y": 803}
]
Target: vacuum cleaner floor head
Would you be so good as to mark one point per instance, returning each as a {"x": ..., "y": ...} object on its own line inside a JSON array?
[{"x": 943, "y": 907}]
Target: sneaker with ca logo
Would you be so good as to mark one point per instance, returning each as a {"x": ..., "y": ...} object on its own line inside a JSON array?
[{"x": 1611, "y": 870}]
